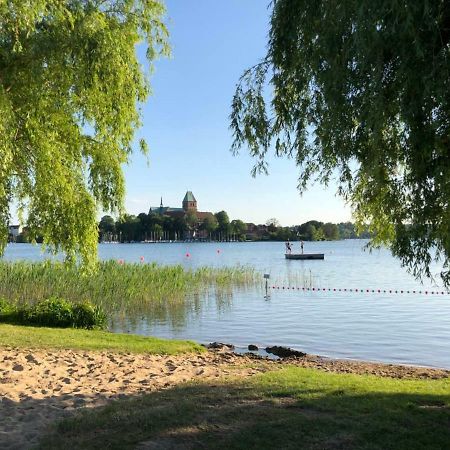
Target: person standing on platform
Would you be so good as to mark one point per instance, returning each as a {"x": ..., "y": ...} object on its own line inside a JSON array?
[
  {"x": 288, "y": 247},
  {"x": 301, "y": 246}
]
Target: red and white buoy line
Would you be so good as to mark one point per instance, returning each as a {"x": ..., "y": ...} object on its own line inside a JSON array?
[{"x": 365, "y": 291}]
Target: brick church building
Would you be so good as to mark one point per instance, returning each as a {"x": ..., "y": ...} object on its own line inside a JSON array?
[{"x": 188, "y": 206}]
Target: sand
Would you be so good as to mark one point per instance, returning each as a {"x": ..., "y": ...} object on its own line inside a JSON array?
[{"x": 38, "y": 387}]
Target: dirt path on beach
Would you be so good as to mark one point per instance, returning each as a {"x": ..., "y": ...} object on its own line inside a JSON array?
[{"x": 38, "y": 387}]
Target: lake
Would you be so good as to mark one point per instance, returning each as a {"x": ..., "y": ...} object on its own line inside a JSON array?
[{"x": 406, "y": 328}]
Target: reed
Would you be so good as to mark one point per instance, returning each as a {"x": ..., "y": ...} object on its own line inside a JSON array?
[{"x": 117, "y": 288}]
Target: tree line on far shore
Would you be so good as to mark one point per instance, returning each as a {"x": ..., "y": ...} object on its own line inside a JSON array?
[
  {"x": 218, "y": 227},
  {"x": 314, "y": 230}
]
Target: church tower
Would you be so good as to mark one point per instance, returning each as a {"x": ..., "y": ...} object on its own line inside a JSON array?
[{"x": 189, "y": 202}]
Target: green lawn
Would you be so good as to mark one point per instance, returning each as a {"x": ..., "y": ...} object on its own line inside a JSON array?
[
  {"x": 69, "y": 338},
  {"x": 289, "y": 408}
]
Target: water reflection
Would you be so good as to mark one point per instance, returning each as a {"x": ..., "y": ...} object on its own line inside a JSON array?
[{"x": 178, "y": 313}]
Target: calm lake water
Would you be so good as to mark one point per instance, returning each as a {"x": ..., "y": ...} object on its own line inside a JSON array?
[{"x": 399, "y": 328}]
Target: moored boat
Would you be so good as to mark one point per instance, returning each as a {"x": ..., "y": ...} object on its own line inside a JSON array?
[{"x": 304, "y": 256}]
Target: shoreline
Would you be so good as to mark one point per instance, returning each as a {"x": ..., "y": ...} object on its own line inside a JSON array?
[
  {"x": 270, "y": 353},
  {"x": 345, "y": 365},
  {"x": 40, "y": 386},
  {"x": 261, "y": 353}
]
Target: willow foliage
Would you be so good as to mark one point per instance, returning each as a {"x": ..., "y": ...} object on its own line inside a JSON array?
[
  {"x": 70, "y": 87},
  {"x": 360, "y": 90}
]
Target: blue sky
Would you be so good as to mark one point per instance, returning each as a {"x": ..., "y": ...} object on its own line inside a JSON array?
[{"x": 186, "y": 125}]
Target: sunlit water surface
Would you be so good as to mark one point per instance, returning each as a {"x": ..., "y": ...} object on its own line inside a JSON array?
[{"x": 399, "y": 328}]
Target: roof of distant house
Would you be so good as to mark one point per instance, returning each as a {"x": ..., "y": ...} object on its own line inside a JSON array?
[
  {"x": 203, "y": 214},
  {"x": 164, "y": 209}
]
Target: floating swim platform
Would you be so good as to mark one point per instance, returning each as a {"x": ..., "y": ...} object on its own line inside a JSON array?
[{"x": 304, "y": 256}]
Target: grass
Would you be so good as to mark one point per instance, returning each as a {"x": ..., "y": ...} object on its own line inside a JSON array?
[
  {"x": 68, "y": 338},
  {"x": 290, "y": 408},
  {"x": 117, "y": 288}
]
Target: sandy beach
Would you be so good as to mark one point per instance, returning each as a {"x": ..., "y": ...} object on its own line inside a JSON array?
[{"x": 38, "y": 387}]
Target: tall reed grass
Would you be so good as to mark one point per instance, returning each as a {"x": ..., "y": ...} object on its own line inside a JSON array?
[{"x": 117, "y": 288}]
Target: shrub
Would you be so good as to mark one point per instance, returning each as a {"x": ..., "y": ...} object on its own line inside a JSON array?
[
  {"x": 86, "y": 315},
  {"x": 5, "y": 306},
  {"x": 53, "y": 312},
  {"x": 8, "y": 311}
]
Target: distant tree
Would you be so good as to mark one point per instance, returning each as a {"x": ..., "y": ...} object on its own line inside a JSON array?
[
  {"x": 191, "y": 221},
  {"x": 360, "y": 88},
  {"x": 347, "y": 230},
  {"x": 179, "y": 226},
  {"x": 143, "y": 218},
  {"x": 306, "y": 230},
  {"x": 143, "y": 225},
  {"x": 210, "y": 224},
  {"x": 238, "y": 227},
  {"x": 330, "y": 231},
  {"x": 107, "y": 225},
  {"x": 70, "y": 88},
  {"x": 272, "y": 221},
  {"x": 364, "y": 233},
  {"x": 317, "y": 234},
  {"x": 283, "y": 234},
  {"x": 158, "y": 230},
  {"x": 129, "y": 228},
  {"x": 152, "y": 220},
  {"x": 168, "y": 225},
  {"x": 224, "y": 222},
  {"x": 309, "y": 232},
  {"x": 272, "y": 224},
  {"x": 106, "y": 229}
]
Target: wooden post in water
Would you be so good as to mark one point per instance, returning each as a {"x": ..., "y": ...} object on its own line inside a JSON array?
[{"x": 266, "y": 277}]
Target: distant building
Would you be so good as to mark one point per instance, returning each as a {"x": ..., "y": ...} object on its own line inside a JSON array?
[
  {"x": 188, "y": 205},
  {"x": 14, "y": 230},
  {"x": 255, "y": 232}
]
